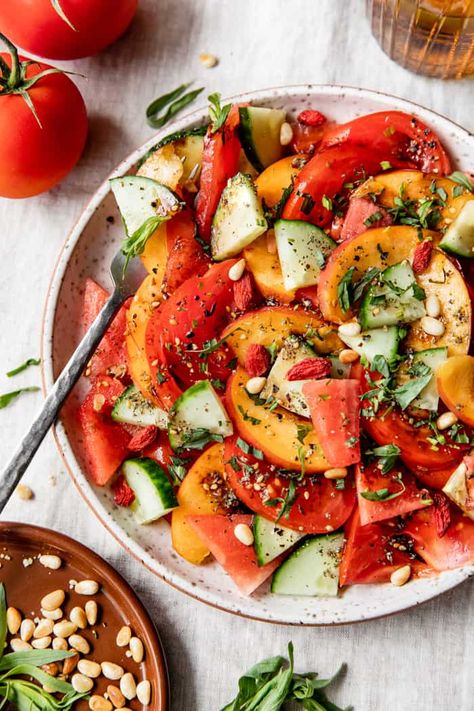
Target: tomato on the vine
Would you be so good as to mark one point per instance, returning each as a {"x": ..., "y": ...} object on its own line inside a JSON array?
[
  {"x": 65, "y": 29},
  {"x": 43, "y": 125}
]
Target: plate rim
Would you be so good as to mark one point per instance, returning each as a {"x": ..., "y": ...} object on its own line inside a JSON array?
[
  {"x": 456, "y": 577},
  {"x": 56, "y": 539}
]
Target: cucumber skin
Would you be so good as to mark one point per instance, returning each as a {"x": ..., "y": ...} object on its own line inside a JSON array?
[
  {"x": 260, "y": 549},
  {"x": 200, "y": 386},
  {"x": 127, "y": 394},
  {"x": 301, "y": 229},
  {"x": 453, "y": 245},
  {"x": 172, "y": 138},
  {"x": 309, "y": 543},
  {"x": 159, "y": 480},
  {"x": 246, "y": 138}
]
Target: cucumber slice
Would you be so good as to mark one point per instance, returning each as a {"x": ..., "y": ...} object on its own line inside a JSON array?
[
  {"x": 133, "y": 409},
  {"x": 312, "y": 570},
  {"x": 140, "y": 199},
  {"x": 302, "y": 250},
  {"x": 154, "y": 495},
  {"x": 428, "y": 399},
  {"x": 178, "y": 138},
  {"x": 198, "y": 412},
  {"x": 272, "y": 540},
  {"x": 260, "y": 135},
  {"x": 339, "y": 370},
  {"x": 456, "y": 489},
  {"x": 393, "y": 300},
  {"x": 459, "y": 237},
  {"x": 289, "y": 394},
  {"x": 378, "y": 341},
  {"x": 239, "y": 218}
]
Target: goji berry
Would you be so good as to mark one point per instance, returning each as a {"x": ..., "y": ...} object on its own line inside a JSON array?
[
  {"x": 123, "y": 494},
  {"x": 243, "y": 292},
  {"x": 309, "y": 369},
  {"x": 422, "y": 256},
  {"x": 257, "y": 360},
  {"x": 143, "y": 438},
  {"x": 311, "y": 118}
]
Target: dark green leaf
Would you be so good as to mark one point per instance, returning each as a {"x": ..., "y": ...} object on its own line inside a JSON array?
[
  {"x": 406, "y": 393},
  {"x": 345, "y": 294},
  {"x": 462, "y": 179},
  {"x": 383, "y": 494},
  {"x": 217, "y": 113},
  {"x": 174, "y": 100},
  {"x": 135, "y": 244},
  {"x": 7, "y": 398},
  {"x": 23, "y": 366}
]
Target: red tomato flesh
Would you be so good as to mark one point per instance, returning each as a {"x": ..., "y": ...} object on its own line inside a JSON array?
[
  {"x": 335, "y": 412},
  {"x": 452, "y": 550},
  {"x": 186, "y": 257}
]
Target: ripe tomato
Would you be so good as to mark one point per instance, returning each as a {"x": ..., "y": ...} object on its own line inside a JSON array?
[
  {"x": 36, "y": 152},
  {"x": 36, "y": 26}
]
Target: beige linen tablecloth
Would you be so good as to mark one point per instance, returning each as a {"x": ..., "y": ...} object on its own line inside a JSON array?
[{"x": 417, "y": 661}]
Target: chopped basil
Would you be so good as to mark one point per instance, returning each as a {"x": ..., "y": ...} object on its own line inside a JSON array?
[
  {"x": 175, "y": 100},
  {"x": 7, "y": 398},
  {"x": 23, "y": 366},
  {"x": 345, "y": 290},
  {"x": 286, "y": 502},
  {"x": 198, "y": 439},
  {"x": 247, "y": 417},
  {"x": 375, "y": 217},
  {"x": 387, "y": 455},
  {"x": 302, "y": 431},
  {"x": 462, "y": 180},
  {"x": 218, "y": 114},
  {"x": 385, "y": 165},
  {"x": 326, "y": 202},
  {"x": 383, "y": 494},
  {"x": 247, "y": 448}
]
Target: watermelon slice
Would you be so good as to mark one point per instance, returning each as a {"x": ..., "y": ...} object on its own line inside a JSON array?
[
  {"x": 453, "y": 549},
  {"x": 110, "y": 356},
  {"x": 370, "y": 480},
  {"x": 238, "y": 560},
  {"x": 105, "y": 441},
  {"x": 361, "y": 210}
]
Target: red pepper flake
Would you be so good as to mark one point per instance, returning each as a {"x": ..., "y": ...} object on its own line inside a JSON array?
[
  {"x": 257, "y": 360},
  {"x": 310, "y": 369},
  {"x": 311, "y": 118},
  {"x": 442, "y": 513},
  {"x": 141, "y": 439},
  {"x": 243, "y": 292},
  {"x": 123, "y": 494},
  {"x": 422, "y": 256}
]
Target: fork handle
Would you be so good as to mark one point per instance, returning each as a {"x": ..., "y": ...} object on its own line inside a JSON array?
[{"x": 55, "y": 399}]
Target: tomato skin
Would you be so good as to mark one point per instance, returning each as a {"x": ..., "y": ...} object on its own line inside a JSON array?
[
  {"x": 185, "y": 256},
  {"x": 397, "y": 134},
  {"x": 452, "y": 550},
  {"x": 325, "y": 175},
  {"x": 220, "y": 161},
  {"x": 35, "y": 25},
  {"x": 326, "y": 505},
  {"x": 33, "y": 158}
]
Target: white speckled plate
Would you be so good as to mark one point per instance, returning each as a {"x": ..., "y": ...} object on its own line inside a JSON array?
[{"x": 87, "y": 252}]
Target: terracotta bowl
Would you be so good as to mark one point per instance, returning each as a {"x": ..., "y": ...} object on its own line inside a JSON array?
[{"x": 87, "y": 252}]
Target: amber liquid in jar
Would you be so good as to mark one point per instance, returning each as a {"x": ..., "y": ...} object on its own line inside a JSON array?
[{"x": 432, "y": 37}]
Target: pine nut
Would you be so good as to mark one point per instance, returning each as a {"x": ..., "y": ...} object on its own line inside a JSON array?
[
  {"x": 24, "y": 492},
  {"x": 447, "y": 419},
  {"x": 89, "y": 668},
  {"x": 208, "y": 60},
  {"x": 64, "y": 629},
  {"x": 128, "y": 686},
  {"x": 27, "y": 629},
  {"x": 244, "y": 534},
  {"x": 271, "y": 242},
  {"x": 78, "y": 617},
  {"x": 52, "y": 668},
  {"x": 53, "y": 562},
  {"x": 432, "y": 326},
  {"x": 112, "y": 671},
  {"x": 123, "y": 637},
  {"x": 336, "y": 473},
  {"x": 255, "y": 385},
  {"x": 79, "y": 643},
  {"x": 86, "y": 587},
  {"x": 43, "y": 629},
  {"x": 236, "y": 271},
  {"x": 351, "y": 328},
  {"x": 70, "y": 663},
  {"x": 433, "y": 306},
  {"x": 401, "y": 576},
  {"x": 54, "y": 615},
  {"x": 347, "y": 355},
  {"x": 19, "y": 645},
  {"x": 92, "y": 612},
  {"x": 116, "y": 696},
  {"x": 286, "y": 134},
  {"x": 41, "y": 643},
  {"x": 82, "y": 684},
  {"x": 137, "y": 650},
  {"x": 60, "y": 644},
  {"x": 98, "y": 703},
  {"x": 144, "y": 692},
  {"x": 53, "y": 600},
  {"x": 13, "y": 620}
]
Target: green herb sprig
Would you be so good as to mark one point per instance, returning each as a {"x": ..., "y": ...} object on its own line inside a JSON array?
[
  {"x": 20, "y": 368},
  {"x": 462, "y": 180},
  {"x": 175, "y": 100},
  {"x": 7, "y": 398},
  {"x": 217, "y": 113}
]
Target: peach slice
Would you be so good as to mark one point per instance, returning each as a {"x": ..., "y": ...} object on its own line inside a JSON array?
[{"x": 455, "y": 380}]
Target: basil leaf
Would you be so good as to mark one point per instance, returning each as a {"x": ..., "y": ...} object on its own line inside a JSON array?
[
  {"x": 462, "y": 179},
  {"x": 23, "y": 366},
  {"x": 7, "y": 398},
  {"x": 217, "y": 113},
  {"x": 175, "y": 101},
  {"x": 197, "y": 439},
  {"x": 406, "y": 393},
  {"x": 345, "y": 290},
  {"x": 134, "y": 245},
  {"x": 383, "y": 494}
]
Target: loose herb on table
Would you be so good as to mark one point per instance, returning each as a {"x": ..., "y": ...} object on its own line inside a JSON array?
[
  {"x": 174, "y": 102},
  {"x": 23, "y": 366}
]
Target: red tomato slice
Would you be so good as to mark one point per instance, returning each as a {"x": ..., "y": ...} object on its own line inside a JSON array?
[
  {"x": 372, "y": 553},
  {"x": 453, "y": 550},
  {"x": 335, "y": 411},
  {"x": 111, "y": 352},
  {"x": 325, "y": 175},
  {"x": 186, "y": 257},
  {"x": 105, "y": 441},
  {"x": 398, "y": 135},
  {"x": 220, "y": 161},
  {"x": 371, "y": 479},
  {"x": 432, "y": 464},
  {"x": 318, "y": 505},
  {"x": 182, "y": 324},
  {"x": 237, "y": 559}
]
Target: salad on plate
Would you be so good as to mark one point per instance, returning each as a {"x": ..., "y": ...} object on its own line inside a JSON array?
[{"x": 291, "y": 387}]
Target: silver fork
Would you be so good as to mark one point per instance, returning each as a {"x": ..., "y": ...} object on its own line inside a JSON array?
[{"x": 126, "y": 282}]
